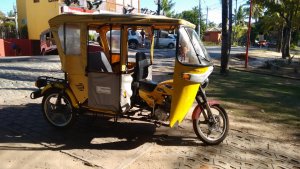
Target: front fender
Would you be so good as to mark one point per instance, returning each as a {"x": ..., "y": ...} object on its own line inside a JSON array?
[
  {"x": 198, "y": 109},
  {"x": 49, "y": 87}
]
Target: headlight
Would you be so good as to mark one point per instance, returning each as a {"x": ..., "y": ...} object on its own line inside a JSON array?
[{"x": 205, "y": 84}]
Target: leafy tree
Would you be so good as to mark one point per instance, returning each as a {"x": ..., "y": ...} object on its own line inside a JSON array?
[
  {"x": 257, "y": 10},
  {"x": 192, "y": 16},
  {"x": 289, "y": 10},
  {"x": 167, "y": 7},
  {"x": 2, "y": 16},
  {"x": 241, "y": 15},
  {"x": 211, "y": 25},
  {"x": 11, "y": 13}
]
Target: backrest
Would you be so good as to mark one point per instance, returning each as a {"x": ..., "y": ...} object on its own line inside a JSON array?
[
  {"x": 142, "y": 64},
  {"x": 97, "y": 62}
]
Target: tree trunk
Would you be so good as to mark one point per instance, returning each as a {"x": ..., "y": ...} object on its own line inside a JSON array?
[
  {"x": 279, "y": 39},
  {"x": 283, "y": 43},
  {"x": 286, "y": 41},
  {"x": 230, "y": 26},
  {"x": 224, "y": 48}
]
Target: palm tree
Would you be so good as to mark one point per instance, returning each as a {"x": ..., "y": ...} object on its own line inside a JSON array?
[
  {"x": 167, "y": 6},
  {"x": 240, "y": 17},
  {"x": 257, "y": 10}
]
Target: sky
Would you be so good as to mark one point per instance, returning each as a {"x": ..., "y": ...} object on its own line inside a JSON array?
[
  {"x": 214, "y": 7},
  {"x": 7, "y": 5}
]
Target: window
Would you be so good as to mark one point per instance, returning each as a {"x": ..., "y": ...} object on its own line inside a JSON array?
[
  {"x": 191, "y": 50},
  {"x": 69, "y": 36},
  {"x": 36, "y": 1},
  {"x": 114, "y": 38}
]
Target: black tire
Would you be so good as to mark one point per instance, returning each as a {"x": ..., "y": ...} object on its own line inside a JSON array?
[
  {"x": 132, "y": 44},
  {"x": 222, "y": 115},
  {"x": 61, "y": 116},
  {"x": 171, "y": 45}
]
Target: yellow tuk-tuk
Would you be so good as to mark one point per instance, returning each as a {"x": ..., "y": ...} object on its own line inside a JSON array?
[{"x": 103, "y": 75}]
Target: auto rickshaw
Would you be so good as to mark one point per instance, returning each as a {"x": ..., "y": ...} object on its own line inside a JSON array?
[{"x": 104, "y": 79}]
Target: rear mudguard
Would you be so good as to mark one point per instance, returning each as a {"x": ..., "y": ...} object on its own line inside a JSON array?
[
  {"x": 66, "y": 90},
  {"x": 198, "y": 109}
]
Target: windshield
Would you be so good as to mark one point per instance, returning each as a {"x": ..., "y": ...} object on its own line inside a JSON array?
[{"x": 191, "y": 49}]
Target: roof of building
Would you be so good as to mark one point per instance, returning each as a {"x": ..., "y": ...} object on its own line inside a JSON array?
[{"x": 214, "y": 29}]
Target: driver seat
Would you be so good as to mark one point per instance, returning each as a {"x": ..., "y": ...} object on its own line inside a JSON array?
[{"x": 141, "y": 73}]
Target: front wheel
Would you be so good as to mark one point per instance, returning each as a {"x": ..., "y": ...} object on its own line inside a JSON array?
[
  {"x": 213, "y": 130},
  {"x": 57, "y": 109}
]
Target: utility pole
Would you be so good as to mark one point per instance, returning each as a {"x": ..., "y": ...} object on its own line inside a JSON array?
[
  {"x": 158, "y": 13},
  {"x": 16, "y": 21},
  {"x": 199, "y": 24},
  {"x": 248, "y": 36},
  {"x": 158, "y": 7}
]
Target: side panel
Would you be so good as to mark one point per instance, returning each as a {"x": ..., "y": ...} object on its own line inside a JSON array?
[
  {"x": 104, "y": 91},
  {"x": 184, "y": 93}
]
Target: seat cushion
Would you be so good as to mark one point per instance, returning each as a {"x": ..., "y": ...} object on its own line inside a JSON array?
[{"x": 147, "y": 85}]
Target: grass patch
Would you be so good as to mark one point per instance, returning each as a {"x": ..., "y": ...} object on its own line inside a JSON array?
[{"x": 269, "y": 98}]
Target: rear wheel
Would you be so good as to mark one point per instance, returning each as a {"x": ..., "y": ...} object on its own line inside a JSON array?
[
  {"x": 57, "y": 109},
  {"x": 213, "y": 130}
]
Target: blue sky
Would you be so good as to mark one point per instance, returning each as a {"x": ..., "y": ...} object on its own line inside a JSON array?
[
  {"x": 214, "y": 7},
  {"x": 7, "y": 5}
]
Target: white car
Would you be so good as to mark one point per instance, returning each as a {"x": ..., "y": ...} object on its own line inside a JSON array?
[
  {"x": 166, "y": 41},
  {"x": 134, "y": 39}
]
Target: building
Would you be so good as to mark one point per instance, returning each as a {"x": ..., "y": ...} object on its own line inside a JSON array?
[
  {"x": 213, "y": 35},
  {"x": 33, "y": 15}
]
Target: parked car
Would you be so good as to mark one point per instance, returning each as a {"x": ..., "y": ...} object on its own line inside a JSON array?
[
  {"x": 47, "y": 43},
  {"x": 166, "y": 41},
  {"x": 134, "y": 39},
  {"x": 262, "y": 43}
]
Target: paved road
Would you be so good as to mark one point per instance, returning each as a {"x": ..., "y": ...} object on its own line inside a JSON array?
[{"x": 27, "y": 141}]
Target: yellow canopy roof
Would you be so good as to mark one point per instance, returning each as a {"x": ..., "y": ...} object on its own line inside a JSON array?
[{"x": 118, "y": 19}]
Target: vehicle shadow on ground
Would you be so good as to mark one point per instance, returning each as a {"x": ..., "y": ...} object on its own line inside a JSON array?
[{"x": 26, "y": 124}]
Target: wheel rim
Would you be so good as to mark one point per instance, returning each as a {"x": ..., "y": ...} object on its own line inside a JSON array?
[
  {"x": 58, "y": 114},
  {"x": 209, "y": 130}
]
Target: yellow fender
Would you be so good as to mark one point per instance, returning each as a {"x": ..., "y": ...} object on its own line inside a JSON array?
[{"x": 67, "y": 91}]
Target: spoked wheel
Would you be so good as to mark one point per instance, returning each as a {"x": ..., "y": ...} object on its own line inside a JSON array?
[
  {"x": 57, "y": 109},
  {"x": 212, "y": 131}
]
